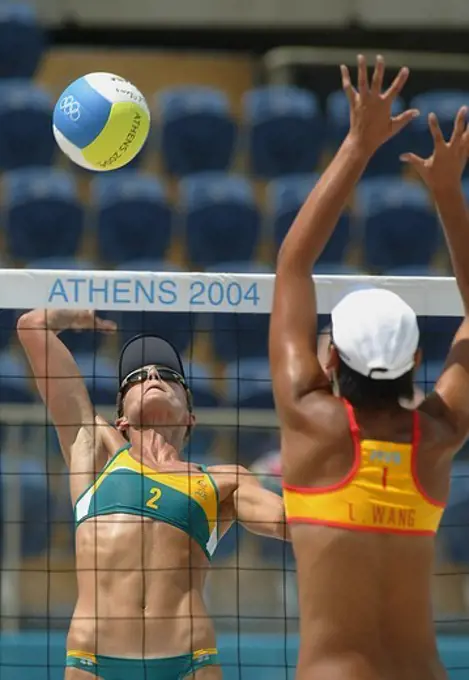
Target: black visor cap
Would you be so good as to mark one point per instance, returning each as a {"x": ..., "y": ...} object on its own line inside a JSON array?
[{"x": 148, "y": 350}]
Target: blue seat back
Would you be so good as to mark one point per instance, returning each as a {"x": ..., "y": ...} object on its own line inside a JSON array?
[
  {"x": 15, "y": 384},
  {"x": 197, "y": 131},
  {"x": 25, "y": 111},
  {"x": 22, "y": 40},
  {"x": 400, "y": 226},
  {"x": 285, "y": 130},
  {"x": 132, "y": 216},
  {"x": 220, "y": 217},
  {"x": 285, "y": 197},
  {"x": 100, "y": 376},
  {"x": 238, "y": 335},
  {"x": 44, "y": 217}
]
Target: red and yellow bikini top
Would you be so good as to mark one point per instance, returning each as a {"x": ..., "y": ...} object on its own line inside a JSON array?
[{"x": 381, "y": 493}]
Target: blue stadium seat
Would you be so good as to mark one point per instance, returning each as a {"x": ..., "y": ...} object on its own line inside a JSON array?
[
  {"x": 285, "y": 130},
  {"x": 455, "y": 522},
  {"x": 386, "y": 160},
  {"x": 44, "y": 217},
  {"x": 428, "y": 373},
  {"x": 400, "y": 225},
  {"x": 230, "y": 544},
  {"x": 197, "y": 131},
  {"x": 7, "y": 325},
  {"x": 37, "y": 503},
  {"x": 286, "y": 195},
  {"x": 206, "y": 394},
  {"x": 176, "y": 327},
  {"x": 25, "y": 111},
  {"x": 132, "y": 216},
  {"x": 445, "y": 103},
  {"x": 203, "y": 386},
  {"x": 100, "y": 376},
  {"x": 249, "y": 384},
  {"x": 21, "y": 40},
  {"x": 238, "y": 335},
  {"x": 221, "y": 218},
  {"x": 15, "y": 385},
  {"x": 436, "y": 335}
]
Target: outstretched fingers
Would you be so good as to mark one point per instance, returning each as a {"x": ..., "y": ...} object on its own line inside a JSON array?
[
  {"x": 378, "y": 75},
  {"x": 397, "y": 84},
  {"x": 435, "y": 129},
  {"x": 399, "y": 122},
  {"x": 412, "y": 159},
  {"x": 347, "y": 83},
  {"x": 362, "y": 75},
  {"x": 459, "y": 125}
]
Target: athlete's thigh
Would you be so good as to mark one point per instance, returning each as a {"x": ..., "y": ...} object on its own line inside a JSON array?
[
  {"x": 77, "y": 674},
  {"x": 206, "y": 673}
]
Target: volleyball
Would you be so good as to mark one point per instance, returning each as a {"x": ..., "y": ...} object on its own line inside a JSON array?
[{"x": 101, "y": 121}]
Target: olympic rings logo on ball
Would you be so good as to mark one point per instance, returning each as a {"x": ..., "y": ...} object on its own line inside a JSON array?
[{"x": 71, "y": 108}]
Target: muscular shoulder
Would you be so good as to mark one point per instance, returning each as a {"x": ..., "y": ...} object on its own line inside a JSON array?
[
  {"x": 320, "y": 413},
  {"x": 233, "y": 474}
]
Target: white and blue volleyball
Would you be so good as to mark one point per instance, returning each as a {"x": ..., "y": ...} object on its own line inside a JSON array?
[{"x": 101, "y": 121}]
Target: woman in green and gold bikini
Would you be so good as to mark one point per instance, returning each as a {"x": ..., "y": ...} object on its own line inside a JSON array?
[{"x": 147, "y": 522}]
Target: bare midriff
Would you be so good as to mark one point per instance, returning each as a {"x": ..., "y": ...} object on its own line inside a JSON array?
[{"x": 140, "y": 586}]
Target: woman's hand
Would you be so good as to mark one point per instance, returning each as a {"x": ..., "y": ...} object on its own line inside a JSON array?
[
  {"x": 445, "y": 166},
  {"x": 371, "y": 119}
]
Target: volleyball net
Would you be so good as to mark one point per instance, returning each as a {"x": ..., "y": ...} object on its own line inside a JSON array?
[{"x": 219, "y": 322}]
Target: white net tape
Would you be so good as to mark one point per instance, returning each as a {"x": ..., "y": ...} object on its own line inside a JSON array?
[{"x": 194, "y": 292}]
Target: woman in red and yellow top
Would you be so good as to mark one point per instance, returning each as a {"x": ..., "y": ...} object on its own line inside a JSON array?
[{"x": 365, "y": 479}]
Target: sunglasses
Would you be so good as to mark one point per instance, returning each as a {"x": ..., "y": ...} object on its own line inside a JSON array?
[{"x": 165, "y": 374}]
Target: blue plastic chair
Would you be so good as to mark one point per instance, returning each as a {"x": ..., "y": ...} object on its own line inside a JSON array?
[
  {"x": 197, "y": 131},
  {"x": 400, "y": 225},
  {"x": 206, "y": 394},
  {"x": 15, "y": 386},
  {"x": 25, "y": 116},
  {"x": 445, "y": 103},
  {"x": 133, "y": 217},
  {"x": 100, "y": 376},
  {"x": 37, "y": 503},
  {"x": 427, "y": 374},
  {"x": 221, "y": 219},
  {"x": 455, "y": 521},
  {"x": 285, "y": 130},
  {"x": 21, "y": 40},
  {"x": 237, "y": 335},
  {"x": 249, "y": 384},
  {"x": 43, "y": 214},
  {"x": 177, "y": 327},
  {"x": 286, "y": 195},
  {"x": 386, "y": 160}
]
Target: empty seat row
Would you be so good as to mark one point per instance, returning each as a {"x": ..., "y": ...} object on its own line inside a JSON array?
[
  {"x": 246, "y": 384},
  {"x": 217, "y": 217},
  {"x": 283, "y": 129}
]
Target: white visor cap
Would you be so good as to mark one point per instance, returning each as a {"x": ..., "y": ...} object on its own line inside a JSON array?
[{"x": 375, "y": 333}]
